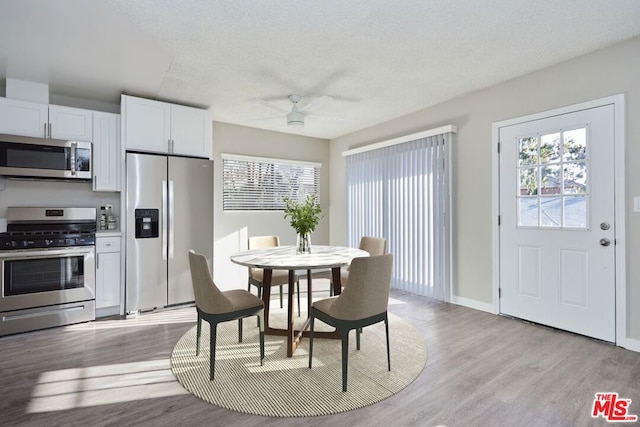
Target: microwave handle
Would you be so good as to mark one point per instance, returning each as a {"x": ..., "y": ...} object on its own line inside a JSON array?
[{"x": 74, "y": 147}]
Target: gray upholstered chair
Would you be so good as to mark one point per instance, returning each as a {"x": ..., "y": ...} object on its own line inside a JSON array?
[
  {"x": 362, "y": 303},
  {"x": 374, "y": 245},
  {"x": 278, "y": 277},
  {"x": 216, "y": 306}
]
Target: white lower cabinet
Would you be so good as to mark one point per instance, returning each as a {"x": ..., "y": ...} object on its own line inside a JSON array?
[{"x": 107, "y": 276}]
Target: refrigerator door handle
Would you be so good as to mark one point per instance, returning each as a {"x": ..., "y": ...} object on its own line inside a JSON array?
[
  {"x": 164, "y": 220},
  {"x": 171, "y": 219}
]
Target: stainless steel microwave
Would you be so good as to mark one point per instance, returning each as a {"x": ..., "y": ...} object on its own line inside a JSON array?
[{"x": 28, "y": 157}]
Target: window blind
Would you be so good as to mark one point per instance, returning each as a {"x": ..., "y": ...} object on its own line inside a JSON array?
[
  {"x": 254, "y": 183},
  {"x": 401, "y": 192}
]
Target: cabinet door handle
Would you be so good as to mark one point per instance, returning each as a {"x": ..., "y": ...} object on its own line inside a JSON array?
[
  {"x": 97, "y": 261},
  {"x": 45, "y": 130},
  {"x": 169, "y": 146},
  {"x": 49, "y": 129}
]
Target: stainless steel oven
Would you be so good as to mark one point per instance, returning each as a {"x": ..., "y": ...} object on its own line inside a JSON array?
[{"x": 47, "y": 268}]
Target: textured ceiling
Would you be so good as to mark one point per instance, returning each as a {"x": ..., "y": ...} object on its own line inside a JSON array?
[{"x": 378, "y": 59}]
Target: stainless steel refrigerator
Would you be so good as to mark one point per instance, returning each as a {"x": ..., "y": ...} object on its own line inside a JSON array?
[{"x": 169, "y": 212}]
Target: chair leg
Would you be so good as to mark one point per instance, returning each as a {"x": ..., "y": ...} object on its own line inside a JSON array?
[
  {"x": 212, "y": 350},
  {"x": 358, "y": 330},
  {"x": 198, "y": 334},
  {"x": 345, "y": 357},
  {"x": 261, "y": 327},
  {"x": 281, "y": 296},
  {"x": 240, "y": 330},
  {"x": 311, "y": 340},
  {"x": 386, "y": 328}
]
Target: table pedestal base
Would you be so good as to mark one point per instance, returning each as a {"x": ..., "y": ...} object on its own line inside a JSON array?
[{"x": 294, "y": 336}]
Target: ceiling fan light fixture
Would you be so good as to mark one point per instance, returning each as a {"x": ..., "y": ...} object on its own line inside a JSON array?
[{"x": 295, "y": 118}]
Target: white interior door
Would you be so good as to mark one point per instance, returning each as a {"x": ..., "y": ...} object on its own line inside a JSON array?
[{"x": 557, "y": 231}]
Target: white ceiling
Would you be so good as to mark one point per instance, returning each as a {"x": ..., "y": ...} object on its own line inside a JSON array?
[{"x": 378, "y": 59}]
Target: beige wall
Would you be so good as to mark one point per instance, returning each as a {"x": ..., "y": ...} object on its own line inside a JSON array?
[
  {"x": 231, "y": 229},
  {"x": 602, "y": 73}
]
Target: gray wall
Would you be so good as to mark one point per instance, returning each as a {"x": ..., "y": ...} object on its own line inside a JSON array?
[
  {"x": 53, "y": 194},
  {"x": 231, "y": 229},
  {"x": 602, "y": 73}
]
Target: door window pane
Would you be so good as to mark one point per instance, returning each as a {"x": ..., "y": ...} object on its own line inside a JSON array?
[
  {"x": 575, "y": 178},
  {"x": 550, "y": 212},
  {"x": 528, "y": 151},
  {"x": 528, "y": 212},
  {"x": 528, "y": 181},
  {"x": 550, "y": 148},
  {"x": 551, "y": 180},
  {"x": 575, "y": 211},
  {"x": 574, "y": 144}
]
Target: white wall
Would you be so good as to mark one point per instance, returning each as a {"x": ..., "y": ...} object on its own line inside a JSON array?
[
  {"x": 53, "y": 194},
  {"x": 602, "y": 73},
  {"x": 231, "y": 229}
]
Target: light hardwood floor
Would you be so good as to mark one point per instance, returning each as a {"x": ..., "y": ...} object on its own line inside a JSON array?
[{"x": 482, "y": 370}]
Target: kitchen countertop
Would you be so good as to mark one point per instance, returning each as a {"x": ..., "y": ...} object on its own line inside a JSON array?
[{"x": 108, "y": 233}]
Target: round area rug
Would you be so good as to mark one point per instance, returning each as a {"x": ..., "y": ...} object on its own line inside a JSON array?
[{"x": 286, "y": 387}]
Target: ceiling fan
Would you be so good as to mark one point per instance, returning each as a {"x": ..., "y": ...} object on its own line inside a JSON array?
[{"x": 297, "y": 115}]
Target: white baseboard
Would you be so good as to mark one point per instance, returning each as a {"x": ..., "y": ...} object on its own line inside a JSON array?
[
  {"x": 471, "y": 303},
  {"x": 630, "y": 344}
]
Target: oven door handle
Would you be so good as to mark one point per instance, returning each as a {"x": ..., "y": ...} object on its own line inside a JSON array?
[{"x": 47, "y": 253}]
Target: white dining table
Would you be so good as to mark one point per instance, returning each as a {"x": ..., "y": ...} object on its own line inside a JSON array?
[{"x": 286, "y": 258}]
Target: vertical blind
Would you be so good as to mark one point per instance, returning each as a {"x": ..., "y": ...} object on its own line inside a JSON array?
[{"x": 401, "y": 192}]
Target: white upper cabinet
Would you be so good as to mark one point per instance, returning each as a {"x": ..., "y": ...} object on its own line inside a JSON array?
[
  {"x": 191, "y": 131},
  {"x": 147, "y": 124},
  {"x": 23, "y": 118},
  {"x": 160, "y": 127},
  {"x": 106, "y": 151},
  {"x": 45, "y": 121},
  {"x": 70, "y": 123}
]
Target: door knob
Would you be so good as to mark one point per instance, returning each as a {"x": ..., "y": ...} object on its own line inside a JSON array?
[{"x": 605, "y": 242}]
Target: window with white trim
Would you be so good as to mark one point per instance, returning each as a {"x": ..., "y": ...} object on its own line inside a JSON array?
[{"x": 261, "y": 184}]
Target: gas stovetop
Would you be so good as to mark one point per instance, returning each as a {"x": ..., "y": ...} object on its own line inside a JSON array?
[
  {"x": 22, "y": 240},
  {"x": 38, "y": 228}
]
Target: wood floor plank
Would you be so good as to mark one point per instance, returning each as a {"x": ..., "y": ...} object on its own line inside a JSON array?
[{"x": 482, "y": 370}]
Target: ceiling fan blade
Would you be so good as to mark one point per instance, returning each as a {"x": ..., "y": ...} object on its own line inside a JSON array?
[
  {"x": 279, "y": 117},
  {"x": 328, "y": 117},
  {"x": 314, "y": 105},
  {"x": 264, "y": 103}
]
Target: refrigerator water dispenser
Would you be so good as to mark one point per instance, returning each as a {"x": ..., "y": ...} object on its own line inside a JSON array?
[{"x": 146, "y": 223}]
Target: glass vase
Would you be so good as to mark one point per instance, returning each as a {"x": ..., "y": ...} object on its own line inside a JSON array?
[{"x": 303, "y": 243}]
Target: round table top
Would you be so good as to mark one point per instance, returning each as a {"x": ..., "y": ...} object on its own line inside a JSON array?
[{"x": 286, "y": 258}]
